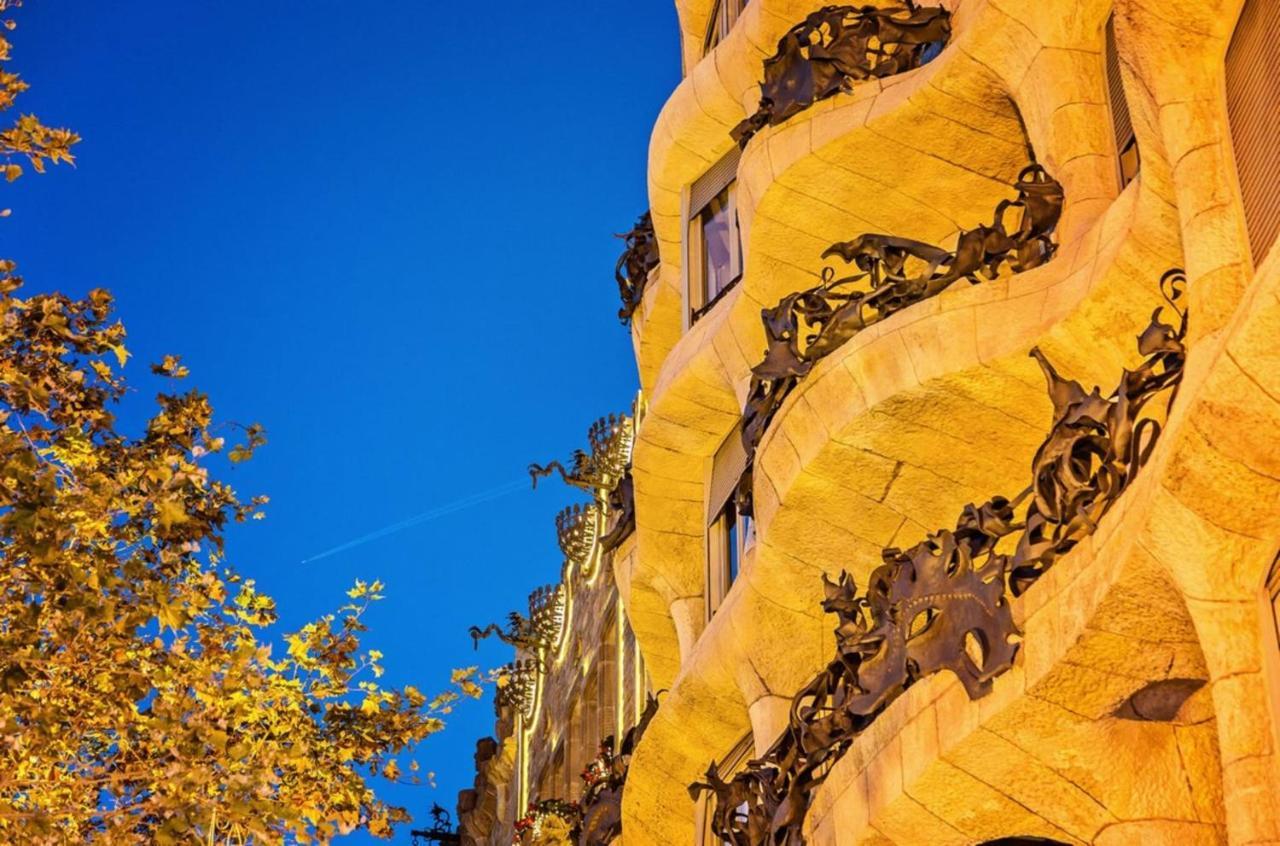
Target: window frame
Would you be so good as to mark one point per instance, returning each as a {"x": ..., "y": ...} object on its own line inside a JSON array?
[
  {"x": 721, "y": 21},
  {"x": 701, "y": 300},
  {"x": 728, "y": 766}
]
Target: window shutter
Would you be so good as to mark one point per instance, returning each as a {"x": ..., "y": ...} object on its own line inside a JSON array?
[
  {"x": 1253, "y": 104},
  {"x": 711, "y": 183},
  {"x": 726, "y": 469},
  {"x": 1120, "y": 117}
]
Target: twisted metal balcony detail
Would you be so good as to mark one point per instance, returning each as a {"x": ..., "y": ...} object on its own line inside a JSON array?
[
  {"x": 638, "y": 259},
  {"x": 943, "y": 604},
  {"x": 837, "y": 46},
  {"x": 890, "y": 275}
]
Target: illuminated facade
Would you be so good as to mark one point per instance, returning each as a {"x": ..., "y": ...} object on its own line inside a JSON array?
[{"x": 904, "y": 577}]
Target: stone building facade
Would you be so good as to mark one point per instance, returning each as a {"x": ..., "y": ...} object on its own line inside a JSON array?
[{"x": 903, "y": 575}]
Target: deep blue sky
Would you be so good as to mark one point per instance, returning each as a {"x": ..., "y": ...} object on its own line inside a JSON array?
[{"x": 382, "y": 229}]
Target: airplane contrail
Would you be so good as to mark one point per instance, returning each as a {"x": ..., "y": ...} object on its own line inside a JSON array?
[{"x": 424, "y": 517}]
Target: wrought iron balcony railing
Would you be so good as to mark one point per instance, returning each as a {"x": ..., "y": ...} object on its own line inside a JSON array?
[
  {"x": 837, "y": 46},
  {"x": 890, "y": 275},
  {"x": 637, "y": 261},
  {"x": 944, "y": 604}
]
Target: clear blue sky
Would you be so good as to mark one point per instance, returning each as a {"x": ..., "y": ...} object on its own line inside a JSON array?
[{"x": 382, "y": 229}]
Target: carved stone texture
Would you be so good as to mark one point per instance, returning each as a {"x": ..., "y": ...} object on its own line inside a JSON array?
[
  {"x": 638, "y": 259},
  {"x": 944, "y": 603},
  {"x": 891, "y": 274},
  {"x": 604, "y": 780},
  {"x": 837, "y": 46},
  {"x": 478, "y": 804}
]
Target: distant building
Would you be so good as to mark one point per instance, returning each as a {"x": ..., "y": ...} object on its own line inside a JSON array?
[{"x": 901, "y": 575}]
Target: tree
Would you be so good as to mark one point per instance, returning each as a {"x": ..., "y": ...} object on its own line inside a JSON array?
[{"x": 140, "y": 699}]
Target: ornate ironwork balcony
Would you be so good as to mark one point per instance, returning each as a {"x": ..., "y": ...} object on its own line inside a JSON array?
[
  {"x": 837, "y": 46},
  {"x": 516, "y": 685},
  {"x": 943, "y": 604},
  {"x": 576, "y": 529},
  {"x": 890, "y": 275},
  {"x": 638, "y": 259},
  {"x": 604, "y": 780}
]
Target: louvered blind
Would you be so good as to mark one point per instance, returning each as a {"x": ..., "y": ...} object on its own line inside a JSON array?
[
  {"x": 712, "y": 182},
  {"x": 1121, "y": 120},
  {"x": 726, "y": 470},
  {"x": 1253, "y": 105}
]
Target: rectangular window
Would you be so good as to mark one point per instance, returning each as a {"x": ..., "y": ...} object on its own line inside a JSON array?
[
  {"x": 728, "y": 534},
  {"x": 1126, "y": 142},
  {"x": 719, "y": 248},
  {"x": 1253, "y": 102},
  {"x": 727, "y": 539},
  {"x": 723, "y": 17},
  {"x": 712, "y": 254}
]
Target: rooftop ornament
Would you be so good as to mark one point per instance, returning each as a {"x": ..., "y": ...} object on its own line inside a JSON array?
[
  {"x": 890, "y": 274},
  {"x": 637, "y": 261},
  {"x": 837, "y": 46},
  {"x": 516, "y": 686},
  {"x": 943, "y": 604},
  {"x": 441, "y": 830},
  {"x": 576, "y": 528},
  {"x": 533, "y": 634},
  {"x": 605, "y": 473}
]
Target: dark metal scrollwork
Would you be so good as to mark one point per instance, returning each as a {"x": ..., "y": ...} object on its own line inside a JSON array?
[
  {"x": 944, "y": 603},
  {"x": 638, "y": 259},
  {"x": 837, "y": 46},
  {"x": 441, "y": 830},
  {"x": 891, "y": 274}
]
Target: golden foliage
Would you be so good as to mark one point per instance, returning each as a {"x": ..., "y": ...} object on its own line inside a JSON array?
[{"x": 139, "y": 702}]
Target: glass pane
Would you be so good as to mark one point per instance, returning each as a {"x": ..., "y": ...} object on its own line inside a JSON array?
[
  {"x": 719, "y": 246},
  {"x": 731, "y": 541}
]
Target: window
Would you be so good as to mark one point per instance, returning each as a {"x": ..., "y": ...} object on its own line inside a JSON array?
[
  {"x": 719, "y": 249},
  {"x": 713, "y": 245},
  {"x": 730, "y": 765},
  {"x": 723, "y": 17},
  {"x": 1253, "y": 101},
  {"x": 728, "y": 534},
  {"x": 1127, "y": 160}
]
